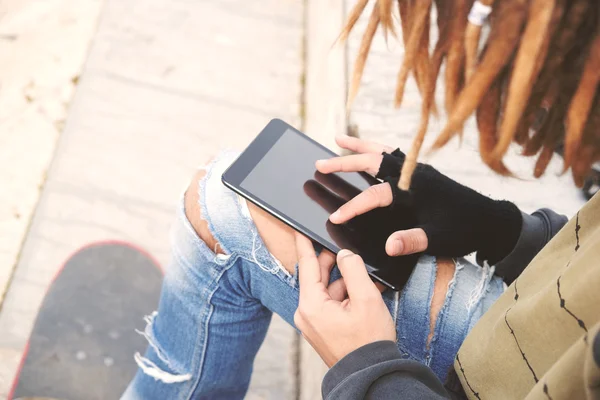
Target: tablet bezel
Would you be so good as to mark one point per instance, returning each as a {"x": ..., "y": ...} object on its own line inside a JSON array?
[{"x": 252, "y": 155}]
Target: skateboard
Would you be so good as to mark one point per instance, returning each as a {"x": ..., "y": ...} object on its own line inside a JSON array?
[{"x": 84, "y": 339}]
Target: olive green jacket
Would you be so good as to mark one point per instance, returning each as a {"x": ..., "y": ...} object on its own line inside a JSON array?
[{"x": 537, "y": 341}]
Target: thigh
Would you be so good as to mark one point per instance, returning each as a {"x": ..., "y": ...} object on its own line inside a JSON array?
[{"x": 276, "y": 235}]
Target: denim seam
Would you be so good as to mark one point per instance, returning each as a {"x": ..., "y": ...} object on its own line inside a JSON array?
[
  {"x": 207, "y": 294},
  {"x": 203, "y": 332}
]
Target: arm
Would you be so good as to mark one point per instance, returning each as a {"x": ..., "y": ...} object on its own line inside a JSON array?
[
  {"x": 377, "y": 371},
  {"x": 448, "y": 219},
  {"x": 355, "y": 334},
  {"x": 452, "y": 220}
]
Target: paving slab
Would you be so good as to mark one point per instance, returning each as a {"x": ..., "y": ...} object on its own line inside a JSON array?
[
  {"x": 166, "y": 85},
  {"x": 43, "y": 47}
]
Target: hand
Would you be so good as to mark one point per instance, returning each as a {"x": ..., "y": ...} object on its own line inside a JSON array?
[
  {"x": 335, "y": 326},
  {"x": 331, "y": 192},
  {"x": 452, "y": 220},
  {"x": 370, "y": 160},
  {"x": 365, "y": 234}
]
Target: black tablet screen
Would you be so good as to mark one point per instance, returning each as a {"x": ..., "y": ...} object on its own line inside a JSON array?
[{"x": 286, "y": 179}]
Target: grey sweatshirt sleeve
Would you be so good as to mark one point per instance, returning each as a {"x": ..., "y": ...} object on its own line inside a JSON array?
[
  {"x": 377, "y": 371},
  {"x": 537, "y": 230}
]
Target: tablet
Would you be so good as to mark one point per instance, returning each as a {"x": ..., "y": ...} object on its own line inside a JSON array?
[{"x": 277, "y": 173}]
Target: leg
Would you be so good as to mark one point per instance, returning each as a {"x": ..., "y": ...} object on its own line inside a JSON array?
[
  {"x": 279, "y": 240},
  {"x": 223, "y": 285},
  {"x": 210, "y": 322}
]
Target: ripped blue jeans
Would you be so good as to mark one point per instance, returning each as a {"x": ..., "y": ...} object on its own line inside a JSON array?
[{"x": 215, "y": 309}]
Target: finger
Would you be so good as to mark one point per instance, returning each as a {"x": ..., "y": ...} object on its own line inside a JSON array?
[
  {"x": 361, "y": 146},
  {"x": 375, "y": 196},
  {"x": 326, "y": 262},
  {"x": 337, "y": 290},
  {"x": 405, "y": 242},
  {"x": 368, "y": 163},
  {"x": 308, "y": 265},
  {"x": 357, "y": 280}
]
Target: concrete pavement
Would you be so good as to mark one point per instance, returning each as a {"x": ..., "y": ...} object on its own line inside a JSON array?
[
  {"x": 43, "y": 47},
  {"x": 165, "y": 86}
]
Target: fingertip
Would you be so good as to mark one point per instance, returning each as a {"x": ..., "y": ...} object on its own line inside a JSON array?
[
  {"x": 394, "y": 246},
  {"x": 335, "y": 217},
  {"x": 406, "y": 242},
  {"x": 319, "y": 164},
  {"x": 340, "y": 138},
  {"x": 344, "y": 253}
]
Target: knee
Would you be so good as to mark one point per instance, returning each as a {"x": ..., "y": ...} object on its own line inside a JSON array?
[
  {"x": 277, "y": 237},
  {"x": 193, "y": 213}
]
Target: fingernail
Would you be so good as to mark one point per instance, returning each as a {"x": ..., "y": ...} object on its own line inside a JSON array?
[
  {"x": 397, "y": 246},
  {"x": 344, "y": 253},
  {"x": 336, "y": 215},
  {"x": 320, "y": 163}
]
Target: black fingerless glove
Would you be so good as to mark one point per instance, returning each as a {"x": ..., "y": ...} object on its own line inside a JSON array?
[{"x": 456, "y": 219}]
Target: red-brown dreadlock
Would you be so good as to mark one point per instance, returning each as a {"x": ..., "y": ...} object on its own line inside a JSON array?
[{"x": 536, "y": 81}]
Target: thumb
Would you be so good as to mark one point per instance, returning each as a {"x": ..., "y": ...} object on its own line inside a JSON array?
[
  {"x": 358, "y": 283},
  {"x": 406, "y": 242}
]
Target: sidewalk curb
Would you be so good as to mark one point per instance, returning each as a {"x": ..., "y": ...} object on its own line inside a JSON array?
[
  {"x": 326, "y": 71},
  {"x": 325, "y": 117}
]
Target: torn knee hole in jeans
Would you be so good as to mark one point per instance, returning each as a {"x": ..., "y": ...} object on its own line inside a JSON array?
[
  {"x": 207, "y": 235},
  {"x": 195, "y": 213},
  {"x": 482, "y": 286},
  {"x": 150, "y": 368},
  {"x": 476, "y": 295},
  {"x": 441, "y": 294}
]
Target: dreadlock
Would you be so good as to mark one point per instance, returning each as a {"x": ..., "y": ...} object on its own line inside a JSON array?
[{"x": 535, "y": 80}]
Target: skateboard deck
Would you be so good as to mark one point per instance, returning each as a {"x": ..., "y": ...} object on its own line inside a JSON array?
[{"x": 84, "y": 339}]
